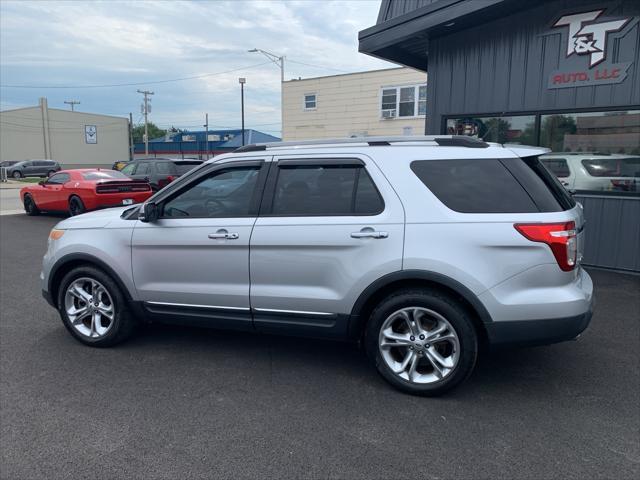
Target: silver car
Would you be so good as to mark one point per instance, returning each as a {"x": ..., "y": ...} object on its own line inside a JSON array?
[{"x": 420, "y": 248}]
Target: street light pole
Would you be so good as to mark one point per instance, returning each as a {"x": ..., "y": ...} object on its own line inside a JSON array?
[
  {"x": 279, "y": 61},
  {"x": 242, "y": 81},
  {"x": 206, "y": 135}
]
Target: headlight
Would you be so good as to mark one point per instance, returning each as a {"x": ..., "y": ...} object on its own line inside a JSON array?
[{"x": 55, "y": 234}]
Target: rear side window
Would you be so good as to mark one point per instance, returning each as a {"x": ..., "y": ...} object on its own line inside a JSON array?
[
  {"x": 144, "y": 168},
  {"x": 164, "y": 168},
  {"x": 492, "y": 185},
  {"x": 325, "y": 190},
  {"x": 184, "y": 167},
  {"x": 613, "y": 167}
]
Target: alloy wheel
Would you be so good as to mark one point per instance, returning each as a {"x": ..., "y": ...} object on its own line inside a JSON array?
[
  {"x": 419, "y": 345},
  {"x": 89, "y": 307}
]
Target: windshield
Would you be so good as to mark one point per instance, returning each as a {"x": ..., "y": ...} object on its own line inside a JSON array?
[
  {"x": 613, "y": 167},
  {"x": 104, "y": 175}
]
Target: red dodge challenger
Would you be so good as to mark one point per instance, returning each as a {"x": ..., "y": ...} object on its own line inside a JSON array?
[{"x": 78, "y": 191}]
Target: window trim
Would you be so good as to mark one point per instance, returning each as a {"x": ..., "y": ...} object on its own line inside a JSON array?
[
  {"x": 416, "y": 101},
  {"x": 304, "y": 102},
  {"x": 256, "y": 198},
  {"x": 266, "y": 209}
]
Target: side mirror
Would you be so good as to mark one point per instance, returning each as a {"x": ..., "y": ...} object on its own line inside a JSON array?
[
  {"x": 42, "y": 182},
  {"x": 150, "y": 213}
]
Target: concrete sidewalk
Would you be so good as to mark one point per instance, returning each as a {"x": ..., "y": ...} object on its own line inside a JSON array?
[{"x": 12, "y": 184}]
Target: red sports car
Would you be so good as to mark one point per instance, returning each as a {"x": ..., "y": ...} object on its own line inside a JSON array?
[{"x": 78, "y": 191}]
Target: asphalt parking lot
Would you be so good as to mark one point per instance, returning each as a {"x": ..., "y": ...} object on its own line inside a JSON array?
[{"x": 192, "y": 403}]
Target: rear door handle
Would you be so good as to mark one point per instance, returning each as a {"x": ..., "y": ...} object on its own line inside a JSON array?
[
  {"x": 222, "y": 233},
  {"x": 369, "y": 234}
]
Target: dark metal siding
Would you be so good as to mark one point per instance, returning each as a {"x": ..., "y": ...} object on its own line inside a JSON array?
[
  {"x": 612, "y": 231},
  {"x": 394, "y": 8},
  {"x": 504, "y": 65}
]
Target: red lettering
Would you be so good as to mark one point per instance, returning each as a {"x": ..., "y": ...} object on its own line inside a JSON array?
[
  {"x": 615, "y": 73},
  {"x": 557, "y": 79}
]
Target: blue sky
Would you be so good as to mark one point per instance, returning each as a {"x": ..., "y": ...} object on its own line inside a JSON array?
[{"x": 102, "y": 43}]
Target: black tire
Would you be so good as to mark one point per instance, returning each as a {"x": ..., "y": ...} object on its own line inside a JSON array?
[
  {"x": 16, "y": 174},
  {"x": 76, "y": 206},
  {"x": 51, "y": 172},
  {"x": 30, "y": 207},
  {"x": 442, "y": 304},
  {"x": 124, "y": 323}
]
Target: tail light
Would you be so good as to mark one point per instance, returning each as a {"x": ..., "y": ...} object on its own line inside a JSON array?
[
  {"x": 170, "y": 178},
  {"x": 561, "y": 238}
]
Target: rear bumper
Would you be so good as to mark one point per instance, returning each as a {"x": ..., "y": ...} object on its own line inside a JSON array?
[{"x": 538, "y": 332}]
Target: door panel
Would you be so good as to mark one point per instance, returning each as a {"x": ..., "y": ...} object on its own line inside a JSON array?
[
  {"x": 311, "y": 269},
  {"x": 195, "y": 261}
]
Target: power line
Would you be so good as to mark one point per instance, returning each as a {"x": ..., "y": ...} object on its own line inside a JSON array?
[
  {"x": 317, "y": 66},
  {"x": 134, "y": 84}
]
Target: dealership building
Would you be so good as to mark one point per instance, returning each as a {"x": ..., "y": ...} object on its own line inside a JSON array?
[{"x": 563, "y": 74}]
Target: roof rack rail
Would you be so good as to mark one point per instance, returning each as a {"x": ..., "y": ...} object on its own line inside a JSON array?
[{"x": 441, "y": 140}]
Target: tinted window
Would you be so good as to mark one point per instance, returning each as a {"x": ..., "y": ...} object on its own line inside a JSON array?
[
  {"x": 557, "y": 166},
  {"x": 613, "y": 167},
  {"x": 128, "y": 169},
  {"x": 104, "y": 175},
  {"x": 325, "y": 190},
  {"x": 474, "y": 186},
  {"x": 59, "y": 178},
  {"x": 164, "y": 168},
  {"x": 225, "y": 193},
  {"x": 40, "y": 163},
  {"x": 144, "y": 168},
  {"x": 184, "y": 167}
]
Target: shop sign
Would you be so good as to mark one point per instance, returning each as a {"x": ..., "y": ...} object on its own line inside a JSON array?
[{"x": 587, "y": 39}]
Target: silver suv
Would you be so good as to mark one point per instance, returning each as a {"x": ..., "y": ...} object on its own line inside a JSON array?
[{"x": 421, "y": 248}]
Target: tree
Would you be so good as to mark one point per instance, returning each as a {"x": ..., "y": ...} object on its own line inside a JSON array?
[
  {"x": 154, "y": 132},
  {"x": 553, "y": 130}
]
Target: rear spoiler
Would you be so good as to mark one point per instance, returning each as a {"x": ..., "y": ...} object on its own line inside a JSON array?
[{"x": 524, "y": 151}]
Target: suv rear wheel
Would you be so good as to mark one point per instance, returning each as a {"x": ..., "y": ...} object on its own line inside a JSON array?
[
  {"x": 422, "y": 341},
  {"x": 93, "y": 308}
]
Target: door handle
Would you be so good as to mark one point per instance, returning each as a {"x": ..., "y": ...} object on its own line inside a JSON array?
[
  {"x": 223, "y": 234},
  {"x": 369, "y": 234}
]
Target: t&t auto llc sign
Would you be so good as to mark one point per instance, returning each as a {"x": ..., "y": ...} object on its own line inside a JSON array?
[{"x": 587, "y": 43}]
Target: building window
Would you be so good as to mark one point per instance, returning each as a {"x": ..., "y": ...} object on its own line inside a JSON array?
[
  {"x": 404, "y": 102},
  {"x": 601, "y": 132},
  {"x": 514, "y": 129},
  {"x": 310, "y": 101}
]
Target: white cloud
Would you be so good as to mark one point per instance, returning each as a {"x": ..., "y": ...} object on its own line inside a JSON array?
[{"x": 88, "y": 43}]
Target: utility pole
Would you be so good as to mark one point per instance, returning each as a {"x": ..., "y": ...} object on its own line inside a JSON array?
[
  {"x": 242, "y": 81},
  {"x": 131, "y": 147},
  {"x": 206, "y": 134},
  {"x": 146, "y": 109},
  {"x": 72, "y": 103}
]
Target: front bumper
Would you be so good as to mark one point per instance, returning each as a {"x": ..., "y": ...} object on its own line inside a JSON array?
[{"x": 538, "y": 332}]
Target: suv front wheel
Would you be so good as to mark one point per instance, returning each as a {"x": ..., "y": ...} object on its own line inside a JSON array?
[
  {"x": 422, "y": 341},
  {"x": 93, "y": 308}
]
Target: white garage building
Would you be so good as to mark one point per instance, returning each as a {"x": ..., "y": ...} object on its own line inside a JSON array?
[{"x": 74, "y": 139}]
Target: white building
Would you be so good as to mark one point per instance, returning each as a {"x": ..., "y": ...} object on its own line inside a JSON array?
[
  {"x": 379, "y": 102},
  {"x": 75, "y": 139}
]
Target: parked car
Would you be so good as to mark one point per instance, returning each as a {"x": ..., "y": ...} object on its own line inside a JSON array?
[
  {"x": 595, "y": 171},
  {"x": 422, "y": 248},
  {"x": 158, "y": 171},
  {"x": 81, "y": 190},
  {"x": 33, "y": 168}
]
